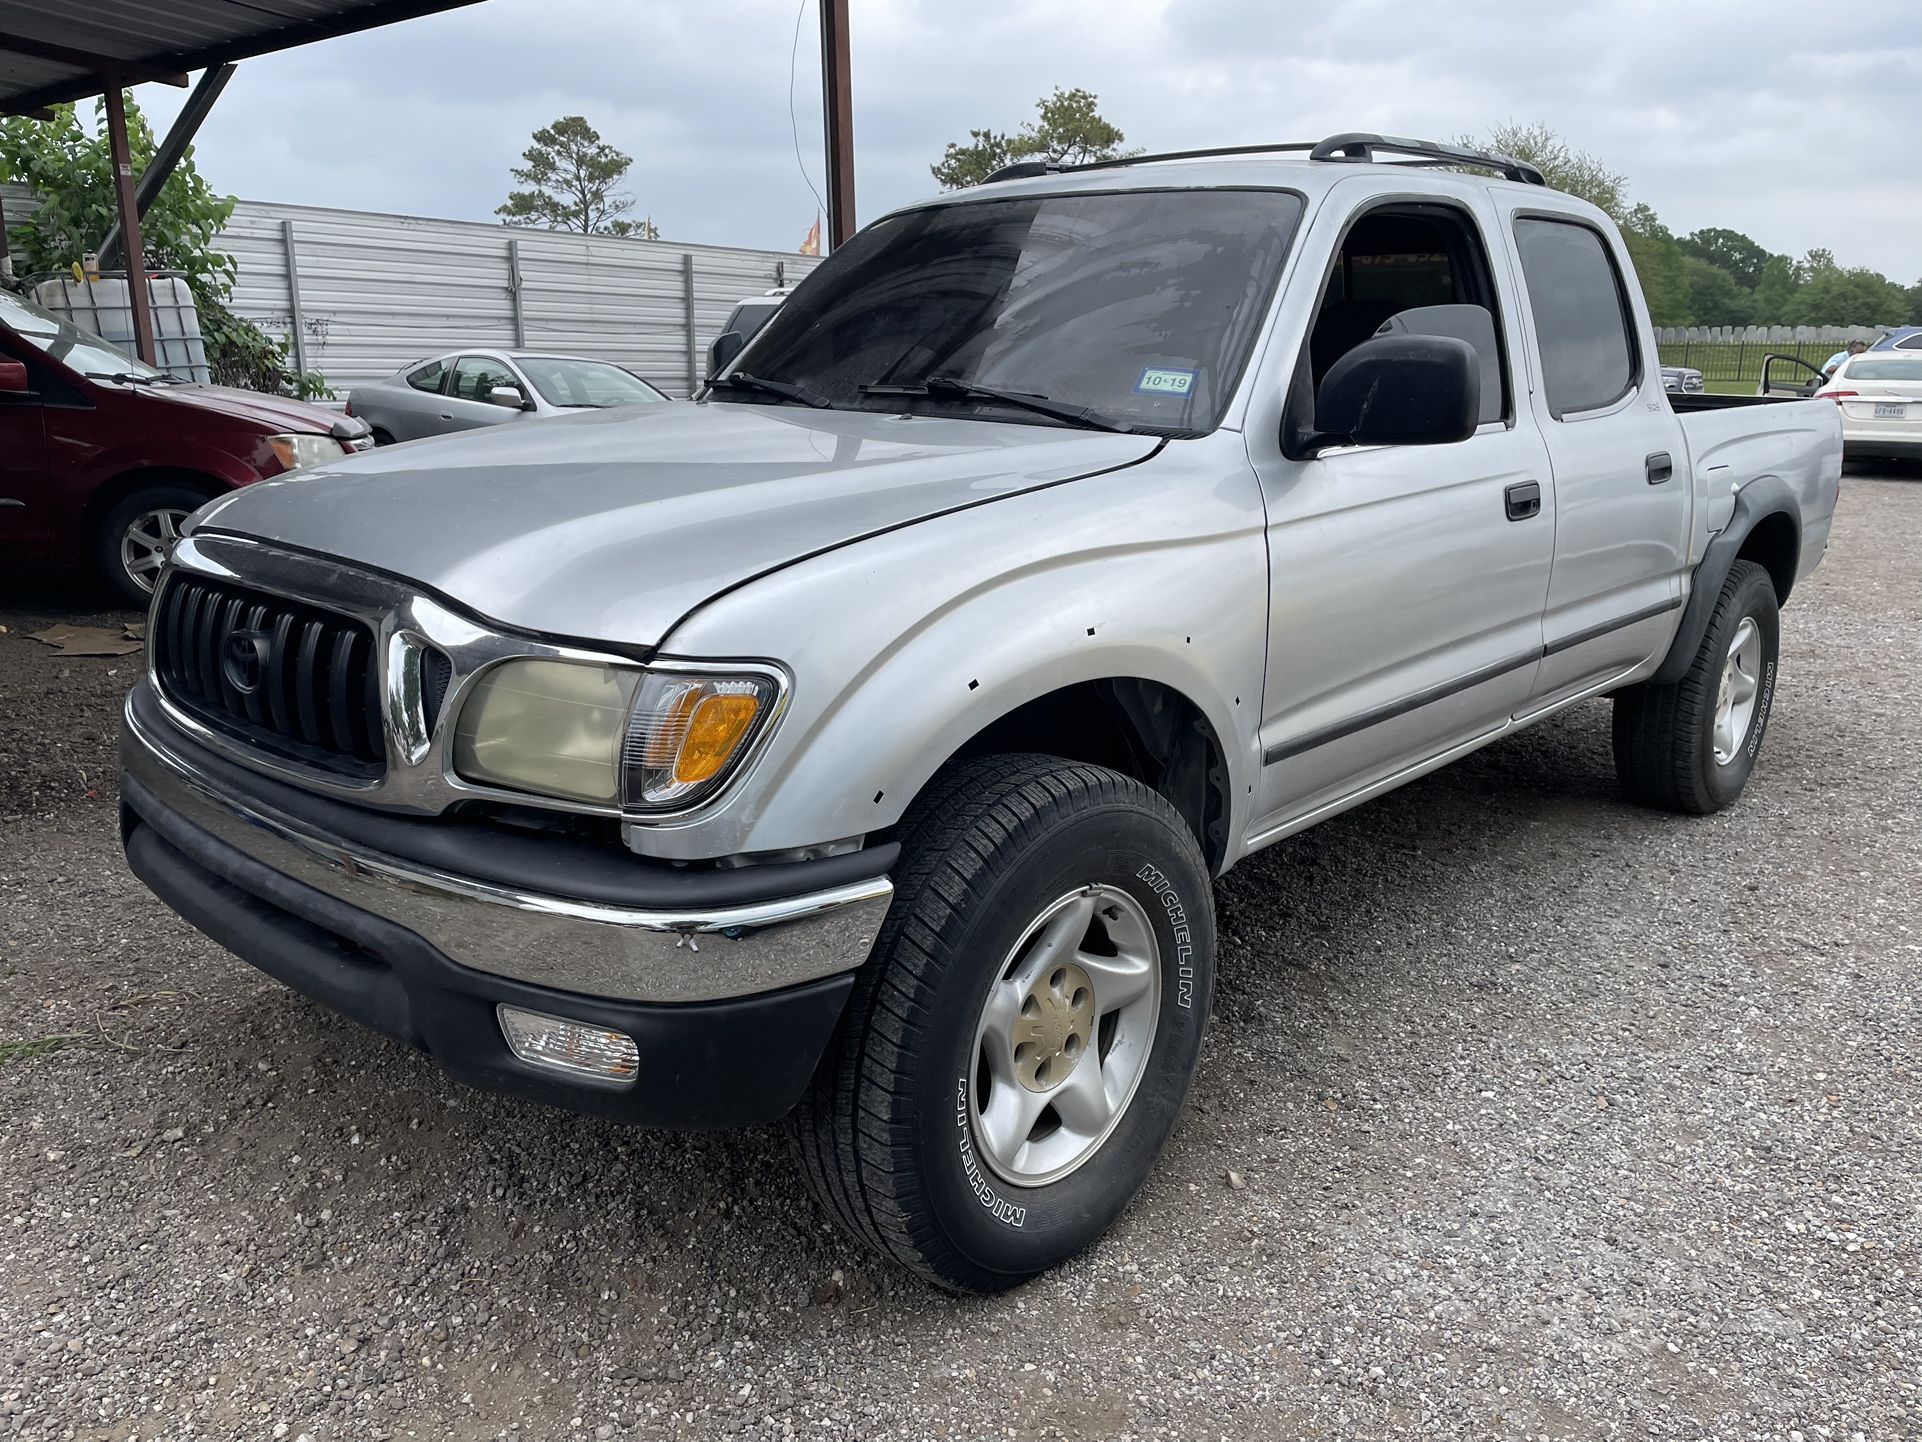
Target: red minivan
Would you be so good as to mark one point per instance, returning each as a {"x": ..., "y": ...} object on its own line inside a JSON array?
[{"x": 102, "y": 456}]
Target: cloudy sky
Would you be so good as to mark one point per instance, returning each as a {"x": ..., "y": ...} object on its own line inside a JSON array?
[{"x": 1793, "y": 121}]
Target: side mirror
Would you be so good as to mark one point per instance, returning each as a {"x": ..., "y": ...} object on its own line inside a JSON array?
[
  {"x": 720, "y": 355},
  {"x": 13, "y": 377},
  {"x": 1400, "y": 390},
  {"x": 509, "y": 396}
]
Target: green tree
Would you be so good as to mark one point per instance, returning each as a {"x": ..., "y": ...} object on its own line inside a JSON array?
[
  {"x": 1833, "y": 295},
  {"x": 1730, "y": 251},
  {"x": 1660, "y": 266},
  {"x": 573, "y": 178},
  {"x": 1714, "y": 296},
  {"x": 1775, "y": 292},
  {"x": 1565, "y": 168},
  {"x": 70, "y": 172},
  {"x": 1069, "y": 130}
]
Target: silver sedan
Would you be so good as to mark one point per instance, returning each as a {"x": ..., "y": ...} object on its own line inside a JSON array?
[{"x": 464, "y": 390}]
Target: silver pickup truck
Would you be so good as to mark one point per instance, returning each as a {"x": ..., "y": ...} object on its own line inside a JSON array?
[{"x": 859, "y": 745}]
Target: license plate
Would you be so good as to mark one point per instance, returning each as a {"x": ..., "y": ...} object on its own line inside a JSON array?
[{"x": 1890, "y": 410}]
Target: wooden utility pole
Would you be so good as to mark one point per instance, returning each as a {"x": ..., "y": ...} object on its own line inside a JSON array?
[
  {"x": 837, "y": 97},
  {"x": 123, "y": 184}
]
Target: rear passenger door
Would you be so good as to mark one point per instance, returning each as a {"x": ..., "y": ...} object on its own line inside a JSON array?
[{"x": 1622, "y": 493}]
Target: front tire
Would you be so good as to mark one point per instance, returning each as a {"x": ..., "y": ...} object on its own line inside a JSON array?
[
  {"x": 1690, "y": 746},
  {"x": 136, "y": 536},
  {"x": 1017, "y": 1050}
]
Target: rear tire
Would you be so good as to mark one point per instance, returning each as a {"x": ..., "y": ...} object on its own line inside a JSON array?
[
  {"x": 1022, "y": 876},
  {"x": 382, "y": 438},
  {"x": 1691, "y": 745},
  {"x": 136, "y": 535}
]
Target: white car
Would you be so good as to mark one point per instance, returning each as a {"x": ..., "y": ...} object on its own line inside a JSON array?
[
  {"x": 464, "y": 390},
  {"x": 1880, "y": 395}
]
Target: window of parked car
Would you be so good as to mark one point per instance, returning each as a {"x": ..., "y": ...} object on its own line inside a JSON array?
[
  {"x": 1884, "y": 367},
  {"x": 1138, "y": 306},
  {"x": 476, "y": 375},
  {"x": 428, "y": 377},
  {"x": 564, "y": 381},
  {"x": 1580, "y": 308}
]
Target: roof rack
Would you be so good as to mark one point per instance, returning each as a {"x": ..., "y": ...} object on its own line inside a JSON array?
[{"x": 1351, "y": 146}]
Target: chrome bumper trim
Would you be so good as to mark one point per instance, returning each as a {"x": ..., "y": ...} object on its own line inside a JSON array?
[{"x": 550, "y": 941}]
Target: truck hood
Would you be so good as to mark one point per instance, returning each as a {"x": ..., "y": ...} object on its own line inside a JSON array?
[{"x": 614, "y": 524}]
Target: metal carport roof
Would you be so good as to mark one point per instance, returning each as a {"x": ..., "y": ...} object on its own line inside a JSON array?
[
  {"x": 58, "y": 50},
  {"x": 55, "y": 50}
]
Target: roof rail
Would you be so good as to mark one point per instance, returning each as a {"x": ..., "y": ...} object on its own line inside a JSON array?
[
  {"x": 1361, "y": 145},
  {"x": 1348, "y": 147}
]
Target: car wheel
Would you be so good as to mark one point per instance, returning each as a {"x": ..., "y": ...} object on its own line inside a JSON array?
[
  {"x": 382, "y": 438},
  {"x": 1691, "y": 745},
  {"x": 1017, "y": 1050},
  {"x": 138, "y": 534}
]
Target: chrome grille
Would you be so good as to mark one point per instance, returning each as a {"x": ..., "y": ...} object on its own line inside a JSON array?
[{"x": 291, "y": 678}]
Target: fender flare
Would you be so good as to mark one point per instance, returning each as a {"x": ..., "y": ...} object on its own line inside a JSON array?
[{"x": 1759, "y": 499}]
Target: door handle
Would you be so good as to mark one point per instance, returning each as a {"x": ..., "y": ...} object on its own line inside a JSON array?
[
  {"x": 446, "y": 415},
  {"x": 1524, "y": 499},
  {"x": 1659, "y": 467}
]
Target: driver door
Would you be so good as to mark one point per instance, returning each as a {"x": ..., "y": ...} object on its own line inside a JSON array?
[
  {"x": 25, "y": 494},
  {"x": 467, "y": 407},
  {"x": 1407, "y": 583}
]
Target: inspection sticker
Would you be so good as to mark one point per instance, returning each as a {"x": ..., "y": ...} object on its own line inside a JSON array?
[{"x": 1158, "y": 382}]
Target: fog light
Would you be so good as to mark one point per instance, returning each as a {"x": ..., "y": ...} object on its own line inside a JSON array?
[{"x": 569, "y": 1046}]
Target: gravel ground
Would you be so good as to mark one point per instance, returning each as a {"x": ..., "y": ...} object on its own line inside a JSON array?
[{"x": 1557, "y": 1119}]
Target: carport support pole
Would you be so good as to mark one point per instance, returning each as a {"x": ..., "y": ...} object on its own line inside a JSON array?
[
  {"x": 837, "y": 99},
  {"x": 123, "y": 184}
]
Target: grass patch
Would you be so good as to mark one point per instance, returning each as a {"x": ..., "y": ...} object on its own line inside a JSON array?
[{"x": 33, "y": 1047}]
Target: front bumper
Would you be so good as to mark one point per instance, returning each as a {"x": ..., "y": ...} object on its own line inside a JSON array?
[{"x": 731, "y": 993}]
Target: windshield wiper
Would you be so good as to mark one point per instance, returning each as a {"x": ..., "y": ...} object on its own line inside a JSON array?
[
  {"x": 784, "y": 389},
  {"x": 127, "y": 376},
  {"x": 967, "y": 390}
]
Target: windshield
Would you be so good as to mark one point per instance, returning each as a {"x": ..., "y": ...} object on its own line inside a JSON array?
[
  {"x": 565, "y": 382},
  {"x": 73, "y": 347},
  {"x": 1140, "y": 306}
]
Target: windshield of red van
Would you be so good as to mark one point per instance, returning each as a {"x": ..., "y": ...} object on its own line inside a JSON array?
[{"x": 77, "y": 349}]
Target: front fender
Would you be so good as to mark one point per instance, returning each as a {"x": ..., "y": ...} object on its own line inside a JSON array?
[{"x": 905, "y": 646}]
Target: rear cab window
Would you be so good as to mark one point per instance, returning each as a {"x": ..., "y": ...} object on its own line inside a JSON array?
[{"x": 1580, "y": 309}]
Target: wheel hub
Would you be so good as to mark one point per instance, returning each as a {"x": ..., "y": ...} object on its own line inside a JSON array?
[
  {"x": 1737, "y": 695},
  {"x": 1054, "y": 1028},
  {"x": 1065, "y": 1035}
]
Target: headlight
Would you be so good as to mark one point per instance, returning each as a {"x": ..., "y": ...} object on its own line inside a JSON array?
[
  {"x": 300, "y": 449},
  {"x": 689, "y": 730},
  {"x": 651, "y": 740},
  {"x": 550, "y": 727}
]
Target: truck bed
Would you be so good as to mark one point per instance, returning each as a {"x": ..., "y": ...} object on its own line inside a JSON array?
[{"x": 1734, "y": 441}]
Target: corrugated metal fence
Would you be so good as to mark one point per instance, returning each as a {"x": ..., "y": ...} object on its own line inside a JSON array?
[{"x": 363, "y": 294}]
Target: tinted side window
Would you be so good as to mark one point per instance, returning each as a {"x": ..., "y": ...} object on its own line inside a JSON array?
[
  {"x": 428, "y": 377},
  {"x": 1580, "y": 313}
]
